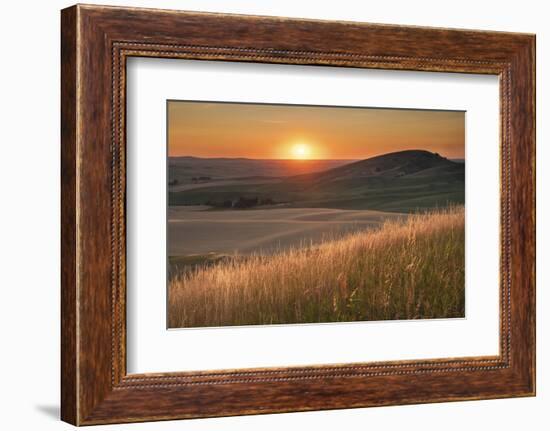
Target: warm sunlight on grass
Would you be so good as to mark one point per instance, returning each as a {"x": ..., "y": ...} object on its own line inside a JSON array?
[{"x": 407, "y": 269}]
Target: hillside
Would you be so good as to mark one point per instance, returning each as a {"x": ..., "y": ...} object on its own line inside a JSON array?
[
  {"x": 401, "y": 182},
  {"x": 391, "y": 165}
]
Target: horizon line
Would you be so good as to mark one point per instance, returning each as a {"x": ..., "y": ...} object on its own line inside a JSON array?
[
  {"x": 258, "y": 158},
  {"x": 303, "y": 160},
  {"x": 294, "y": 160}
]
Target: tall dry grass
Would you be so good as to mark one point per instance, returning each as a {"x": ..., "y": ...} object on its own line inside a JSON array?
[{"x": 407, "y": 269}]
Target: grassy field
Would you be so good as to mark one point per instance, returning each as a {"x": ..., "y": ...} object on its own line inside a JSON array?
[{"x": 408, "y": 268}]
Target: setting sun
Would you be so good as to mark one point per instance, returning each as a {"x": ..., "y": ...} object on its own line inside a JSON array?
[{"x": 301, "y": 151}]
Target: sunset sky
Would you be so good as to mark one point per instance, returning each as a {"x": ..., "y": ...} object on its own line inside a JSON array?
[{"x": 205, "y": 129}]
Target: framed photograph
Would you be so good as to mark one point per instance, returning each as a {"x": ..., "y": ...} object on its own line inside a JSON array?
[
  {"x": 288, "y": 214},
  {"x": 264, "y": 215}
]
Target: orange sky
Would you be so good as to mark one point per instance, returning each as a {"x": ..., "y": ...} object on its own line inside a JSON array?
[{"x": 210, "y": 129}]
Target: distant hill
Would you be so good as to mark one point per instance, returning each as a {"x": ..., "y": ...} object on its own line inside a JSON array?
[
  {"x": 183, "y": 169},
  {"x": 391, "y": 165},
  {"x": 404, "y": 181}
]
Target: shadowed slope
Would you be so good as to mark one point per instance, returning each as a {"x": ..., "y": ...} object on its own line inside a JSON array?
[{"x": 391, "y": 165}]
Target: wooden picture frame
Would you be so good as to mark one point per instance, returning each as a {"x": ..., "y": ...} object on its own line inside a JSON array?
[{"x": 95, "y": 43}]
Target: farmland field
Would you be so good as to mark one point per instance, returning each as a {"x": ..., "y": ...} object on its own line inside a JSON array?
[
  {"x": 198, "y": 231},
  {"x": 405, "y": 268}
]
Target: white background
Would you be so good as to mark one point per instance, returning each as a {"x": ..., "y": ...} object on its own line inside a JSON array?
[
  {"x": 151, "y": 348},
  {"x": 29, "y": 228}
]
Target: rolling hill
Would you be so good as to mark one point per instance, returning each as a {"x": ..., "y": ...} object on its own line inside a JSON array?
[
  {"x": 184, "y": 168},
  {"x": 404, "y": 181},
  {"x": 391, "y": 165}
]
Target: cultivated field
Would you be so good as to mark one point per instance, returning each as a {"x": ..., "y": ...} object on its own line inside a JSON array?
[
  {"x": 390, "y": 267},
  {"x": 196, "y": 231}
]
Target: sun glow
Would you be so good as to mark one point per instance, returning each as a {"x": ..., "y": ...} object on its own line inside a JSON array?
[{"x": 301, "y": 151}]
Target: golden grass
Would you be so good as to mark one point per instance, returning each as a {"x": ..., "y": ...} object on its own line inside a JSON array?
[{"x": 407, "y": 269}]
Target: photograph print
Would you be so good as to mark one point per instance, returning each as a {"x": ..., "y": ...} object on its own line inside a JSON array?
[{"x": 297, "y": 214}]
